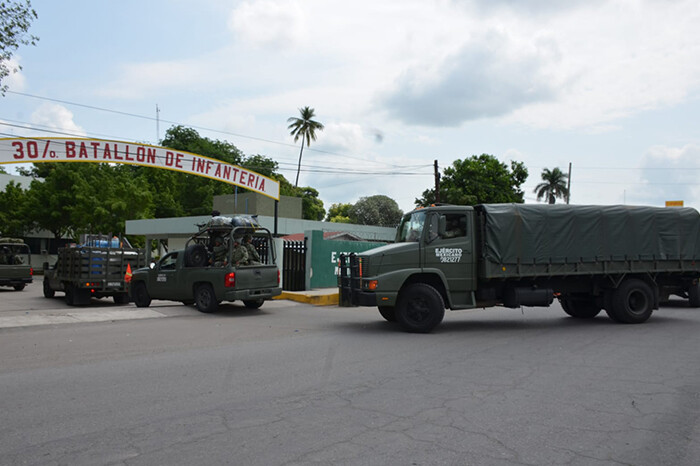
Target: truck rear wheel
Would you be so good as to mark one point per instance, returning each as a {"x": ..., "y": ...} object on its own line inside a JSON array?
[
  {"x": 388, "y": 312},
  {"x": 632, "y": 302},
  {"x": 694, "y": 295},
  {"x": 579, "y": 308},
  {"x": 205, "y": 299},
  {"x": 19, "y": 287},
  {"x": 140, "y": 294},
  {"x": 420, "y": 308},
  {"x": 48, "y": 291}
]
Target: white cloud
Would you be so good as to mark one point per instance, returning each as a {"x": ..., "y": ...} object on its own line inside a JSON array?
[
  {"x": 269, "y": 23},
  {"x": 670, "y": 174},
  {"x": 57, "y": 118}
]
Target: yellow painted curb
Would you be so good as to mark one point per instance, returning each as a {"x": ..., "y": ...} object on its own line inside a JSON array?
[{"x": 317, "y": 300}]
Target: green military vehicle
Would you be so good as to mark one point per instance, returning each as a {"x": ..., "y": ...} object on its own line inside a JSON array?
[
  {"x": 214, "y": 268},
  {"x": 15, "y": 263},
  {"x": 622, "y": 259},
  {"x": 95, "y": 268}
]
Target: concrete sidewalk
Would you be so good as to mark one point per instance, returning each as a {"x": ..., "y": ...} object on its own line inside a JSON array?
[{"x": 317, "y": 297}]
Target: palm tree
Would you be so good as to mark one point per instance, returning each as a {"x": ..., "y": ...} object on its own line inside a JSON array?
[
  {"x": 304, "y": 128},
  {"x": 553, "y": 185}
]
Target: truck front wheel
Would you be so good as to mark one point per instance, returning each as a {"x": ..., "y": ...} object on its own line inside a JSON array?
[
  {"x": 140, "y": 294},
  {"x": 420, "y": 308},
  {"x": 205, "y": 299},
  {"x": 48, "y": 291},
  {"x": 632, "y": 302}
]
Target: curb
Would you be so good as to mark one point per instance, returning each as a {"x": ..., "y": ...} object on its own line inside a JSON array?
[{"x": 330, "y": 299}]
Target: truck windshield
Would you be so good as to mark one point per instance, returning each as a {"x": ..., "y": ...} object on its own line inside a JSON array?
[{"x": 411, "y": 227}]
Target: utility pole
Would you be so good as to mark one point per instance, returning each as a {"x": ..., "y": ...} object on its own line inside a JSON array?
[
  {"x": 568, "y": 185},
  {"x": 437, "y": 183},
  {"x": 157, "y": 125}
]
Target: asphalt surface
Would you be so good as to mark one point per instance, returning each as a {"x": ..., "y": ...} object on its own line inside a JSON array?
[{"x": 293, "y": 384}]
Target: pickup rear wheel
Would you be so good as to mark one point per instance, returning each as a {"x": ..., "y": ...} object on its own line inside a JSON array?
[
  {"x": 19, "y": 287},
  {"x": 420, "y": 308},
  {"x": 140, "y": 294},
  {"x": 632, "y": 302},
  {"x": 388, "y": 312},
  {"x": 205, "y": 299},
  {"x": 253, "y": 303}
]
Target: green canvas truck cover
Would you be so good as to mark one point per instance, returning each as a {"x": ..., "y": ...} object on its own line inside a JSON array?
[{"x": 570, "y": 234}]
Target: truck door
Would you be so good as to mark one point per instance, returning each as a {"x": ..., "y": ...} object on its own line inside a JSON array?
[
  {"x": 451, "y": 252},
  {"x": 163, "y": 279}
]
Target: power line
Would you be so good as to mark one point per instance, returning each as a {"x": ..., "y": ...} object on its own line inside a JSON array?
[{"x": 158, "y": 120}]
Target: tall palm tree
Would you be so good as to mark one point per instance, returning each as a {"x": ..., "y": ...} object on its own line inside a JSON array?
[
  {"x": 553, "y": 185},
  {"x": 304, "y": 128}
]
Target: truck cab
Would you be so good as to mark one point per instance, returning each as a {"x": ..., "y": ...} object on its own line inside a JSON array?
[
  {"x": 15, "y": 263},
  {"x": 433, "y": 259}
]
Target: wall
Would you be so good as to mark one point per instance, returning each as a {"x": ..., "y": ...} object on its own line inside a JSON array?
[{"x": 322, "y": 258}]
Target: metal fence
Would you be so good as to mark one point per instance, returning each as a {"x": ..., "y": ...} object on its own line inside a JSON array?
[{"x": 294, "y": 266}]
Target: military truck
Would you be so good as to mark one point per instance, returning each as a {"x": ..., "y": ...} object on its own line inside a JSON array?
[
  {"x": 94, "y": 268},
  {"x": 15, "y": 263},
  {"x": 212, "y": 268},
  {"x": 621, "y": 259}
]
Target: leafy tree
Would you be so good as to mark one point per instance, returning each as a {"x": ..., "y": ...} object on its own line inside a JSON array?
[
  {"x": 339, "y": 213},
  {"x": 73, "y": 198},
  {"x": 15, "y": 19},
  {"x": 479, "y": 180},
  {"x": 12, "y": 210},
  {"x": 184, "y": 194},
  {"x": 377, "y": 210},
  {"x": 553, "y": 185},
  {"x": 304, "y": 128}
]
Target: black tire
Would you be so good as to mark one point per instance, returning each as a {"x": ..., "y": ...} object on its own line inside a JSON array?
[
  {"x": 253, "y": 303},
  {"x": 632, "y": 302},
  {"x": 420, "y": 308},
  {"x": 694, "y": 295},
  {"x": 205, "y": 299},
  {"x": 70, "y": 295},
  {"x": 196, "y": 255},
  {"x": 388, "y": 312},
  {"x": 140, "y": 295},
  {"x": 121, "y": 298},
  {"x": 580, "y": 308},
  {"x": 48, "y": 291},
  {"x": 19, "y": 287}
]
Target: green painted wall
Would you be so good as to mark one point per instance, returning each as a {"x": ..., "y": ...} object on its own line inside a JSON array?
[{"x": 322, "y": 258}]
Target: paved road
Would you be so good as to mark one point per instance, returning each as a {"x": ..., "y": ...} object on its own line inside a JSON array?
[{"x": 293, "y": 384}]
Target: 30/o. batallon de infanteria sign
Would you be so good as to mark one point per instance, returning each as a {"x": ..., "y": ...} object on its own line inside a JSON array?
[{"x": 35, "y": 150}]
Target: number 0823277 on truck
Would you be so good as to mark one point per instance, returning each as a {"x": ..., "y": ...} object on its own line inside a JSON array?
[{"x": 624, "y": 260}]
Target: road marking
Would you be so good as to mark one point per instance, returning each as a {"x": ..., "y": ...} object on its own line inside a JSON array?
[{"x": 75, "y": 317}]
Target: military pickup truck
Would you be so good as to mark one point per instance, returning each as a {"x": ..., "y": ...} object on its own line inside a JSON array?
[
  {"x": 94, "y": 268},
  {"x": 15, "y": 263},
  {"x": 214, "y": 268},
  {"x": 622, "y": 259}
]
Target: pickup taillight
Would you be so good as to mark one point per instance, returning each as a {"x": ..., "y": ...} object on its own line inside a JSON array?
[
  {"x": 230, "y": 280},
  {"x": 278, "y": 276}
]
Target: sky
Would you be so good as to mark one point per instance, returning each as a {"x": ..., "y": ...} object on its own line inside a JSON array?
[{"x": 610, "y": 87}]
